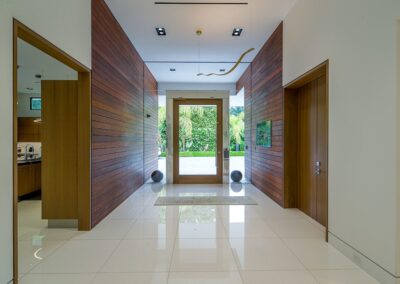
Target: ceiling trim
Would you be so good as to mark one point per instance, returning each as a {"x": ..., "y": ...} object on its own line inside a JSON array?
[{"x": 200, "y": 3}]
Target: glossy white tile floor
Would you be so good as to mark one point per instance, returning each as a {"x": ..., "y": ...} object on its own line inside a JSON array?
[{"x": 143, "y": 244}]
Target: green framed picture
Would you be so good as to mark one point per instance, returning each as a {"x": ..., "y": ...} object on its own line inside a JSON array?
[
  {"x": 264, "y": 134},
  {"x": 36, "y": 103}
]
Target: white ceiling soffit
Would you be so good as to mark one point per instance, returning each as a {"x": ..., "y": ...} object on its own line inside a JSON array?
[
  {"x": 187, "y": 72},
  {"x": 32, "y": 62},
  {"x": 216, "y": 48}
]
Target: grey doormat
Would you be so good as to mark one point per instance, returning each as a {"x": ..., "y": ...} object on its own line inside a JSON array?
[{"x": 204, "y": 200}]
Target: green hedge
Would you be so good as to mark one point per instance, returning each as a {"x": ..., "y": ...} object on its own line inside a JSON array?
[{"x": 206, "y": 154}]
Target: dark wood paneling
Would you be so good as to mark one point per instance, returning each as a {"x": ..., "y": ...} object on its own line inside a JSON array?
[
  {"x": 117, "y": 114},
  {"x": 245, "y": 82},
  {"x": 266, "y": 103},
  {"x": 150, "y": 124}
]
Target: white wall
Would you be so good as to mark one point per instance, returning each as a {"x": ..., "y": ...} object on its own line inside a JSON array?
[
  {"x": 359, "y": 39},
  {"x": 24, "y": 106},
  {"x": 67, "y": 24}
]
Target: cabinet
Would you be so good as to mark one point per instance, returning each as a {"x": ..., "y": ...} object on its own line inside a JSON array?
[
  {"x": 29, "y": 178},
  {"x": 28, "y": 129}
]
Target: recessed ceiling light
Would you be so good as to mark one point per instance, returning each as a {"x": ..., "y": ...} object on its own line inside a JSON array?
[
  {"x": 237, "y": 31},
  {"x": 172, "y": 69},
  {"x": 161, "y": 31}
]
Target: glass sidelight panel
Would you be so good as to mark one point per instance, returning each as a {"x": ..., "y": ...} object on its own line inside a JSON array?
[{"x": 198, "y": 140}]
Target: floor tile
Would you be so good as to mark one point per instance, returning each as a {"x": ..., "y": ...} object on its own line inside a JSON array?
[
  {"x": 318, "y": 254},
  {"x": 254, "y": 228},
  {"x": 77, "y": 256},
  {"x": 31, "y": 253},
  {"x": 131, "y": 278},
  {"x": 264, "y": 254},
  {"x": 204, "y": 278},
  {"x": 278, "y": 277},
  {"x": 160, "y": 213},
  {"x": 356, "y": 276},
  {"x": 296, "y": 229},
  {"x": 198, "y": 228},
  {"x": 145, "y": 255},
  {"x": 153, "y": 229},
  {"x": 57, "y": 279},
  {"x": 107, "y": 230},
  {"x": 140, "y": 243},
  {"x": 202, "y": 255},
  {"x": 50, "y": 234}
]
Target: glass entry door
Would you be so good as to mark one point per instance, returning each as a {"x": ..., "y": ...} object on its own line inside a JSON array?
[{"x": 197, "y": 141}]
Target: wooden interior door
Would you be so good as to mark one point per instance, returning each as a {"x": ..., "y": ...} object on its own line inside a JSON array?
[
  {"x": 322, "y": 152},
  {"x": 313, "y": 149},
  {"x": 59, "y": 149},
  {"x": 192, "y": 177}
]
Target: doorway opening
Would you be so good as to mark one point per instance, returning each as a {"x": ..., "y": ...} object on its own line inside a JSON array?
[
  {"x": 237, "y": 143},
  {"x": 306, "y": 144},
  {"x": 197, "y": 153},
  {"x": 51, "y": 150},
  {"x": 162, "y": 135}
]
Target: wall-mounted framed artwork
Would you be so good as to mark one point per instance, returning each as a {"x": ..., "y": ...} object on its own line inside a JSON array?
[
  {"x": 264, "y": 134},
  {"x": 36, "y": 103}
]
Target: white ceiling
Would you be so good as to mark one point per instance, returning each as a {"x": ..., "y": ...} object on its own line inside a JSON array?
[
  {"x": 139, "y": 18},
  {"x": 32, "y": 61}
]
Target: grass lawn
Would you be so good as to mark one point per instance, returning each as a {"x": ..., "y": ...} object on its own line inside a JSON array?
[{"x": 206, "y": 154}]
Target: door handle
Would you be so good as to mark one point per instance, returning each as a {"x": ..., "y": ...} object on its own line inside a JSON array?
[{"x": 318, "y": 168}]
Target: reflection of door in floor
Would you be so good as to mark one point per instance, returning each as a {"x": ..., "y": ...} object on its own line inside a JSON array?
[{"x": 313, "y": 149}]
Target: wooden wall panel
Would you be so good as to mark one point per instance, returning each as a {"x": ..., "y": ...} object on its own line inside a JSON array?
[
  {"x": 117, "y": 114},
  {"x": 150, "y": 124},
  {"x": 245, "y": 82},
  {"x": 59, "y": 130},
  {"x": 266, "y": 103}
]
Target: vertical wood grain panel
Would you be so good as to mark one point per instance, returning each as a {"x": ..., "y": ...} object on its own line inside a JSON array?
[
  {"x": 59, "y": 149},
  {"x": 266, "y": 103},
  {"x": 118, "y": 136}
]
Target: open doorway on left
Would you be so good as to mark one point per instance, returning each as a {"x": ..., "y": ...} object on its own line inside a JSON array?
[{"x": 36, "y": 69}]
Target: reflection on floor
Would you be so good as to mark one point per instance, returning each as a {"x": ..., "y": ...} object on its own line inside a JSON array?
[{"x": 143, "y": 244}]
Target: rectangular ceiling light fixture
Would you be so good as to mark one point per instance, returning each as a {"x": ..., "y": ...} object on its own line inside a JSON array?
[
  {"x": 161, "y": 31},
  {"x": 237, "y": 31}
]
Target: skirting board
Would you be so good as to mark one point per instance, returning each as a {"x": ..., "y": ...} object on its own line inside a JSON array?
[{"x": 362, "y": 261}]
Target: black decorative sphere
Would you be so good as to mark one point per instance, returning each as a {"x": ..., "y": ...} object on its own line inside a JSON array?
[
  {"x": 157, "y": 176},
  {"x": 236, "y": 176}
]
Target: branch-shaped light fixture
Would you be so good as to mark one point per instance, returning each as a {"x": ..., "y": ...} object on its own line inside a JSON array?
[{"x": 232, "y": 69}]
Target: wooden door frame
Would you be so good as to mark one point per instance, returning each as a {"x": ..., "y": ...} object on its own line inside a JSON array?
[
  {"x": 195, "y": 179},
  {"x": 20, "y": 31},
  {"x": 290, "y": 135}
]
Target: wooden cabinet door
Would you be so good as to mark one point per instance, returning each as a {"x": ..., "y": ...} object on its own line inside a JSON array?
[
  {"x": 59, "y": 149},
  {"x": 37, "y": 168},
  {"x": 25, "y": 179}
]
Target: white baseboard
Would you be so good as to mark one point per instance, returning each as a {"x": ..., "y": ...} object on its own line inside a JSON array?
[{"x": 363, "y": 262}]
